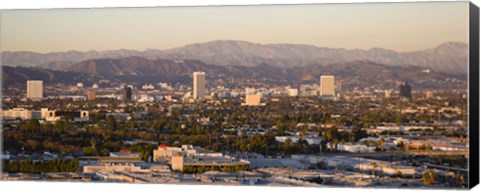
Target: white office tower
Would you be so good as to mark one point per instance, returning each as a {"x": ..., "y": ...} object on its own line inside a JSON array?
[
  {"x": 327, "y": 86},
  {"x": 34, "y": 89},
  {"x": 199, "y": 85}
]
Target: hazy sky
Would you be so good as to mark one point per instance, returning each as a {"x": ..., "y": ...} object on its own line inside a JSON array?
[{"x": 397, "y": 26}]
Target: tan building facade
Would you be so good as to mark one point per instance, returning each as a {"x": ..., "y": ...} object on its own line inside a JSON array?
[
  {"x": 91, "y": 95},
  {"x": 327, "y": 85},
  {"x": 34, "y": 89},
  {"x": 253, "y": 100},
  {"x": 17, "y": 113}
]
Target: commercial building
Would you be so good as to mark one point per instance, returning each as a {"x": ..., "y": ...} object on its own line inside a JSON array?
[
  {"x": 148, "y": 87},
  {"x": 353, "y": 148},
  {"x": 327, "y": 86},
  {"x": 74, "y": 116},
  {"x": 253, "y": 100},
  {"x": 405, "y": 90},
  {"x": 257, "y": 161},
  {"x": 429, "y": 94},
  {"x": 293, "y": 92},
  {"x": 311, "y": 140},
  {"x": 360, "y": 164},
  {"x": 199, "y": 85},
  {"x": 34, "y": 89},
  {"x": 127, "y": 93},
  {"x": 45, "y": 114},
  {"x": 104, "y": 165},
  {"x": 388, "y": 93},
  {"x": 196, "y": 159},
  {"x": 17, "y": 113},
  {"x": 91, "y": 95},
  {"x": 124, "y": 153}
]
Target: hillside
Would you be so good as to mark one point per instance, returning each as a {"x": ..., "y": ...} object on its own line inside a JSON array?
[
  {"x": 449, "y": 57},
  {"x": 359, "y": 73},
  {"x": 12, "y": 76}
]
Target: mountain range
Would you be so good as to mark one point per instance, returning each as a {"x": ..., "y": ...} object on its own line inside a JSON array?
[
  {"x": 139, "y": 70},
  {"x": 448, "y": 57}
]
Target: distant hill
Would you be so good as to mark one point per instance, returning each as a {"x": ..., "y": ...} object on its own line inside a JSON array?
[
  {"x": 139, "y": 70},
  {"x": 449, "y": 57},
  {"x": 360, "y": 73},
  {"x": 138, "y": 66},
  {"x": 19, "y": 76}
]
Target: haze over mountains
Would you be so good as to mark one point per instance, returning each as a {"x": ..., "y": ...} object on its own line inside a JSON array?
[{"x": 448, "y": 57}]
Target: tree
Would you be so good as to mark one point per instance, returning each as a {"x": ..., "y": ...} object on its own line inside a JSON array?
[
  {"x": 33, "y": 144},
  {"x": 399, "y": 174},
  {"x": 428, "y": 178},
  {"x": 33, "y": 124},
  {"x": 382, "y": 144},
  {"x": 111, "y": 122},
  {"x": 88, "y": 151},
  {"x": 60, "y": 125}
]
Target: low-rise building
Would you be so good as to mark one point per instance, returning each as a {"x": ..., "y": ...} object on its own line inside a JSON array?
[
  {"x": 253, "y": 100},
  {"x": 45, "y": 114},
  {"x": 125, "y": 154},
  {"x": 311, "y": 140},
  {"x": 196, "y": 159},
  {"x": 54, "y": 115},
  {"x": 117, "y": 164},
  {"x": 17, "y": 113},
  {"x": 353, "y": 148}
]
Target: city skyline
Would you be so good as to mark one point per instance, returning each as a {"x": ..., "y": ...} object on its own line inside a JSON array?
[
  {"x": 276, "y": 95},
  {"x": 402, "y": 27}
]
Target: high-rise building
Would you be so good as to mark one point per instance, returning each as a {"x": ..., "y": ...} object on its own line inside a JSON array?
[
  {"x": 127, "y": 93},
  {"x": 429, "y": 94},
  {"x": 91, "y": 95},
  {"x": 388, "y": 93},
  {"x": 199, "y": 85},
  {"x": 405, "y": 90},
  {"x": 34, "y": 89},
  {"x": 327, "y": 86}
]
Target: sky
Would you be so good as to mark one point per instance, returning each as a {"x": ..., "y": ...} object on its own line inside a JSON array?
[{"x": 397, "y": 26}]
